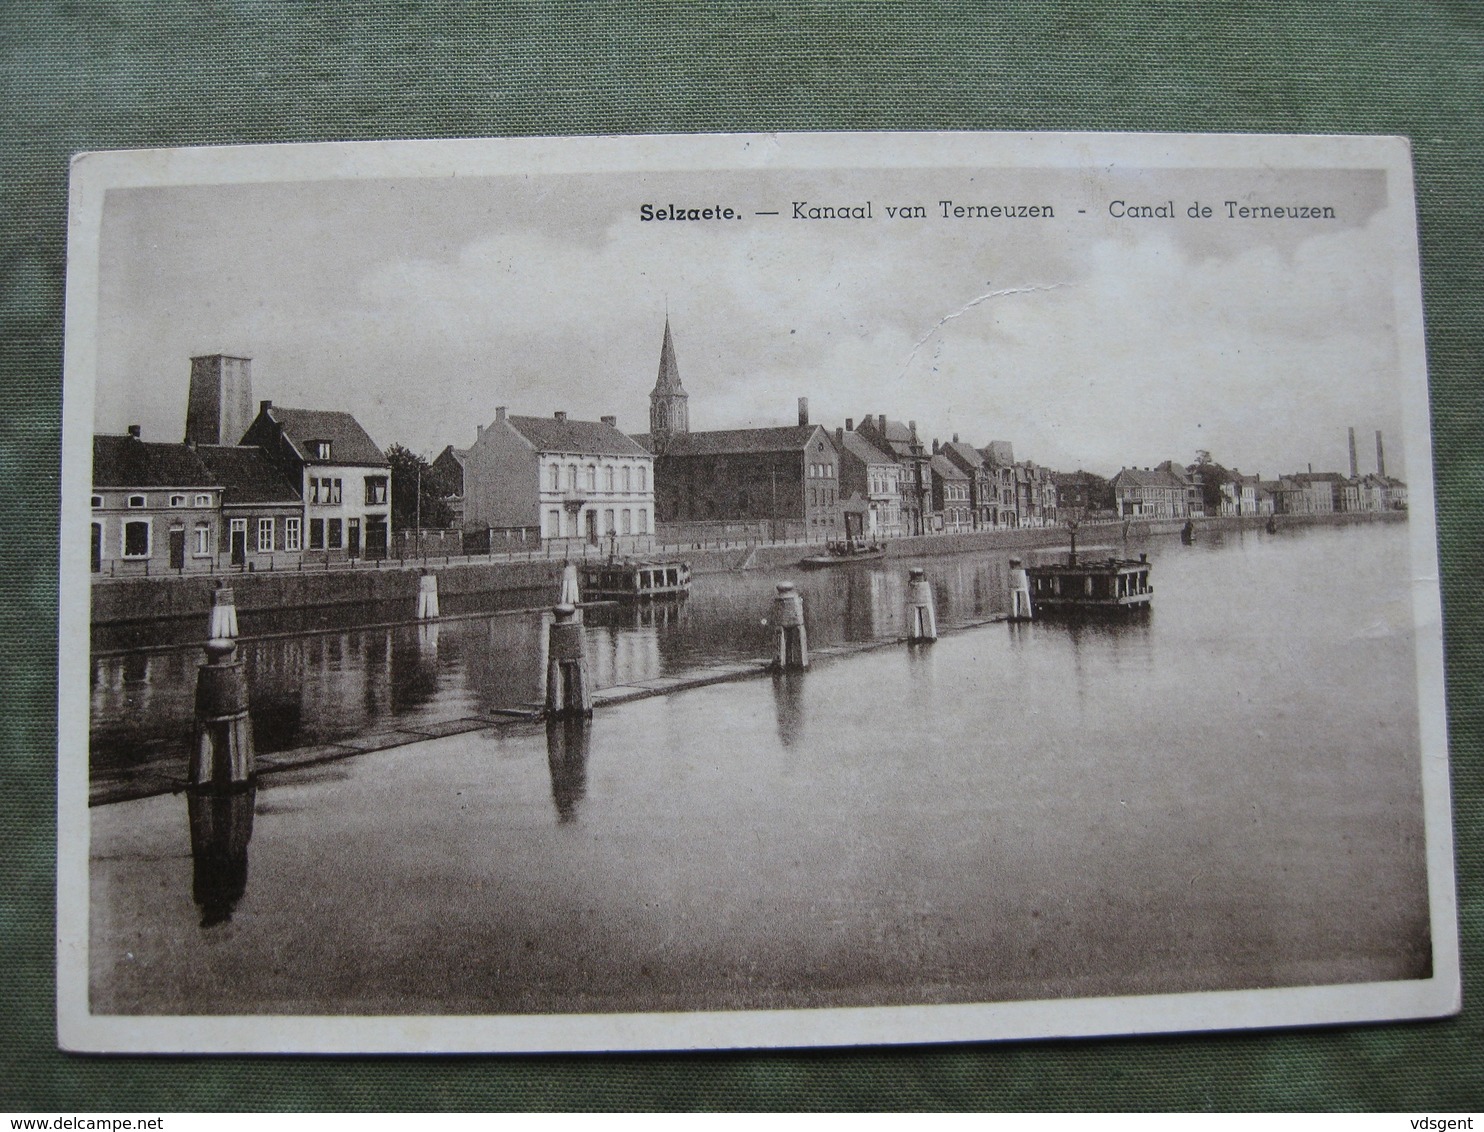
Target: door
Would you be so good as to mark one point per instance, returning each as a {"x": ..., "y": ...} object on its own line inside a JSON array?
[
  {"x": 353, "y": 537},
  {"x": 97, "y": 555},
  {"x": 177, "y": 548},
  {"x": 239, "y": 542}
]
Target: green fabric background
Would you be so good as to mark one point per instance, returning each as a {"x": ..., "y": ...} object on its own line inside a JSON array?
[{"x": 82, "y": 76}]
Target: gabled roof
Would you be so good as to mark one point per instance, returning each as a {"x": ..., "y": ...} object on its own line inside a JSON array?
[
  {"x": 965, "y": 455},
  {"x": 247, "y": 475},
  {"x": 946, "y": 468},
  {"x": 127, "y": 461},
  {"x": 785, "y": 438},
  {"x": 896, "y": 438},
  {"x": 861, "y": 448},
  {"x": 1142, "y": 477},
  {"x": 587, "y": 438},
  {"x": 1317, "y": 477},
  {"x": 1000, "y": 453},
  {"x": 349, "y": 442},
  {"x": 459, "y": 455},
  {"x": 668, "y": 381}
]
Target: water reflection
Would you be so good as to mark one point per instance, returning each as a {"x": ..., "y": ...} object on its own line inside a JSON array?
[
  {"x": 567, "y": 745},
  {"x": 221, "y": 827},
  {"x": 788, "y": 704},
  {"x": 322, "y": 687}
]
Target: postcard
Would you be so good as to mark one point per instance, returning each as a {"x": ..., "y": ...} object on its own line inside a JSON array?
[{"x": 747, "y": 591}]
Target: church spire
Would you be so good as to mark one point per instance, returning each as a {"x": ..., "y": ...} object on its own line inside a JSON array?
[{"x": 669, "y": 412}]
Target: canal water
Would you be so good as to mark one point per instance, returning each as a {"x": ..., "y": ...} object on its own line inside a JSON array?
[{"x": 1222, "y": 795}]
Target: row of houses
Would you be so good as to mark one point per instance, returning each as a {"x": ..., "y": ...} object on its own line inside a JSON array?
[
  {"x": 279, "y": 488},
  {"x": 1169, "y": 491},
  {"x": 526, "y": 478}
]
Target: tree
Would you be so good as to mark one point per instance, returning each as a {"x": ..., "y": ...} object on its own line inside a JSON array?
[
  {"x": 1212, "y": 475},
  {"x": 412, "y": 476}
]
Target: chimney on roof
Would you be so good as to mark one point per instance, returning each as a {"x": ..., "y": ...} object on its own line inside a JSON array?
[
  {"x": 561, "y": 416},
  {"x": 264, "y": 406},
  {"x": 803, "y": 411},
  {"x": 1311, "y": 469},
  {"x": 1354, "y": 471},
  {"x": 955, "y": 438},
  {"x": 849, "y": 424},
  {"x": 610, "y": 420},
  {"x": 839, "y": 436},
  {"x": 881, "y": 423},
  {"x": 912, "y": 427},
  {"x": 1380, "y": 456},
  {"x": 135, "y": 431},
  {"x": 499, "y": 412},
  {"x": 478, "y": 431},
  {"x": 935, "y": 446}
]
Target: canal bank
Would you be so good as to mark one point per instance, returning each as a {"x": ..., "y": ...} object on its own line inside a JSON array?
[{"x": 135, "y": 601}]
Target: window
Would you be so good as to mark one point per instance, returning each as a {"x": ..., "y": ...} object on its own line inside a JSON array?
[
  {"x": 571, "y": 477},
  {"x": 643, "y": 478},
  {"x": 204, "y": 499},
  {"x": 321, "y": 449},
  {"x": 202, "y": 546},
  {"x": 592, "y": 478},
  {"x": 136, "y": 538},
  {"x": 316, "y": 534},
  {"x": 334, "y": 491},
  {"x": 177, "y": 501},
  {"x": 265, "y": 534},
  {"x": 375, "y": 490},
  {"x": 608, "y": 527},
  {"x": 628, "y": 521},
  {"x": 138, "y": 501},
  {"x": 553, "y": 518},
  {"x": 608, "y": 478},
  {"x": 335, "y": 535},
  {"x": 97, "y": 501},
  {"x": 628, "y": 481},
  {"x": 556, "y": 478},
  {"x": 291, "y": 533},
  {"x": 643, "y": 520}
]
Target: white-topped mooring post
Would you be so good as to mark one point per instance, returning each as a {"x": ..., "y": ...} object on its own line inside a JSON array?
[
  {"x": 570, "y": 594},
  {"x": 793, "y": 638},
  {"x": 223, "y": 624},
  {"x": 221, "y": 748},
  {"x": 427, "y": 597},
  {"x": 922, "y": 616},
  {"x": 1020, "y": 592},
  {"x": 568, "y": 692}
]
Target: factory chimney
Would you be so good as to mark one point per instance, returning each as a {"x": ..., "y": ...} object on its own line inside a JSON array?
[
  {"x": 1354, "y": 470},
  {"x": 1380, "y": 456}
]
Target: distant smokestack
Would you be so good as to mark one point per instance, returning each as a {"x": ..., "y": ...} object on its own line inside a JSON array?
[
  {"x": 1354, "y": 470},
  {"x": 849, "y": 424},
  {"x": 1380, "y": 455},
  {"x": 610, "y": 421},
  {"x": 803, "y": 411}
]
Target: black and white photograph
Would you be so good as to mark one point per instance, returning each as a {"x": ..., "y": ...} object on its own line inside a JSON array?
[{"x": 743, "y": 591}]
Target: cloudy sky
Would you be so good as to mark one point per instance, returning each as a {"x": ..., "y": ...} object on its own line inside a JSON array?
[{"x": 421, "y": 305}]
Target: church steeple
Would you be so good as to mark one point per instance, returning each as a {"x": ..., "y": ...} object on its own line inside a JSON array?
[{"x": 669, "y": 411}]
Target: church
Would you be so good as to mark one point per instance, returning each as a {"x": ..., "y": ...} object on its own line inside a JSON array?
[{"x": 784, "y": 480}]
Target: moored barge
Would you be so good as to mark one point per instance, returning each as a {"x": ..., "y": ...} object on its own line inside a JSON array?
[
  {"x": 627, "y": 580},
  {"x": 1117, "y": 586}
]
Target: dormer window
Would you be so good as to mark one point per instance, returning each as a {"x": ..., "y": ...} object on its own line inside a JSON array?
[
  {"x": 177, "y": 501},
  {"x": 138, "y": 501},
  {"x": 320, "y": 448}
]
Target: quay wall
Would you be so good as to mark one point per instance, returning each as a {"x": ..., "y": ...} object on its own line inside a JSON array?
[{"x": 132, "y": 600}]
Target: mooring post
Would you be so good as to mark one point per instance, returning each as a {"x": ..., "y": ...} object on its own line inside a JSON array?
[
  {"x": 570, "y": 594},
  {"x": 788, "y": 619},
  {"x": 567, "y": 690},
  {"x": 922, "y": 617},
  {"x": 1020, "y": 592},
  {"x": 222, "y": 751},
  {"x": 223, "y": 623},
  {"x": 427, "y": 597}
]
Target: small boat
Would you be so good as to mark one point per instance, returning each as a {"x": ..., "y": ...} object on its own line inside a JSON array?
[
  {"x": 844, "y": 551},
  {"x": 1081, "y": 588},
  {"x": 626, "y": 580}
]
